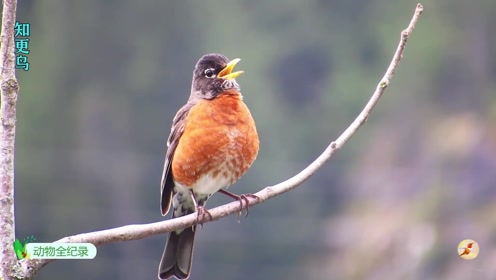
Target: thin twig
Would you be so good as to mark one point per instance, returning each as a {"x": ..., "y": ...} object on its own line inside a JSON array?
[{"x": 134, "y": 232}]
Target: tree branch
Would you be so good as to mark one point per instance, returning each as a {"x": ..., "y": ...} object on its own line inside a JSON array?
[
  {"x": 134, "y": 232},
  {"x": 9, "y": 88}
]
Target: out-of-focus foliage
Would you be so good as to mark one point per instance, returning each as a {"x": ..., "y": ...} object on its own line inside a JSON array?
[{"x": 107, "y": 77}]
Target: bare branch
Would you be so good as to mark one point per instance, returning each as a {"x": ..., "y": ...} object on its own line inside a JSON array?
[
  {"x": 9, "y": 88},
  {"x": 134, "y": 232}
]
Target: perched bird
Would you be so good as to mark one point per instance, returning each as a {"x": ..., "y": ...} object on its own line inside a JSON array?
[{"x": 213, "y": 142}]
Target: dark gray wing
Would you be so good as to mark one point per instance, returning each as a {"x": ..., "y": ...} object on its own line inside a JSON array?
[{"x": 167, "y": 184}]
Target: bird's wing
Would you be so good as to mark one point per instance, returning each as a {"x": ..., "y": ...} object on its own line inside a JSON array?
[{"x": 167, "y": 183}]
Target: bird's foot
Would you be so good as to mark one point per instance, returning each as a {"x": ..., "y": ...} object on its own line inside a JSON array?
[
  {"x": 201, "y": 213},
  {"x": 243, "y": 200}
]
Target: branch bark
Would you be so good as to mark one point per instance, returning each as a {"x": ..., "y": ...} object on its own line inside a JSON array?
[
  {"x": 134, "y": 232},
  {"x": 10, "y": 268}
]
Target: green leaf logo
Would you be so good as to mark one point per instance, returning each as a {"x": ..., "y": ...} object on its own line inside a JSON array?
[{"x": 20, "y": 249}]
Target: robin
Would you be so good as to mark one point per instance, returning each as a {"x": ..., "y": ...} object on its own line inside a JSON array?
[{"x": 213, "y": 142}]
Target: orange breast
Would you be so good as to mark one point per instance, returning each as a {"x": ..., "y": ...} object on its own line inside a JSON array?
[{"x": 219, "y": 139}]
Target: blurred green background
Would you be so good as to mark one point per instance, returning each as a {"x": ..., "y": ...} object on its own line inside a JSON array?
[{"x": 107, "y": 77}]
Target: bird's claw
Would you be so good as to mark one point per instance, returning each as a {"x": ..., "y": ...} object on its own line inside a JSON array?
[
  {"x": 201, "y": 213},
  {"x": 244, "y": 199}
]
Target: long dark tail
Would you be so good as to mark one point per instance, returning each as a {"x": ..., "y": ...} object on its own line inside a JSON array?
[{"x": 178, "y": 255}]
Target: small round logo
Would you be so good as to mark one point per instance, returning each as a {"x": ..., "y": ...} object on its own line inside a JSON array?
[{"x": 468, "y": 249}]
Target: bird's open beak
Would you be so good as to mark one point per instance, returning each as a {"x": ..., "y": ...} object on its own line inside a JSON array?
[{"x": 227, "y": 72}]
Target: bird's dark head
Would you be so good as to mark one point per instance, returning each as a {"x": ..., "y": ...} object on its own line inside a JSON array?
[{"x": 213, "y": 75}]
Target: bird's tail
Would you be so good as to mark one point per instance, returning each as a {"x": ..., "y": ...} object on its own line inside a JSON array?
[{"x": 178, "y": 254}]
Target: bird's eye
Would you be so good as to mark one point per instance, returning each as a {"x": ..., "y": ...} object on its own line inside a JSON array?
[{"x": 209, "y": 73}]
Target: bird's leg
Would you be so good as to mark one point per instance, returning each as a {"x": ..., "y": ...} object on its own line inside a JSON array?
[
  {"x": 200, "y": 210},
  {"x": 241, "y": 198}
]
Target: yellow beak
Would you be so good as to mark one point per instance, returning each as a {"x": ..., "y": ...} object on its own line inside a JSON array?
[{"x": 227, "y": 73}]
